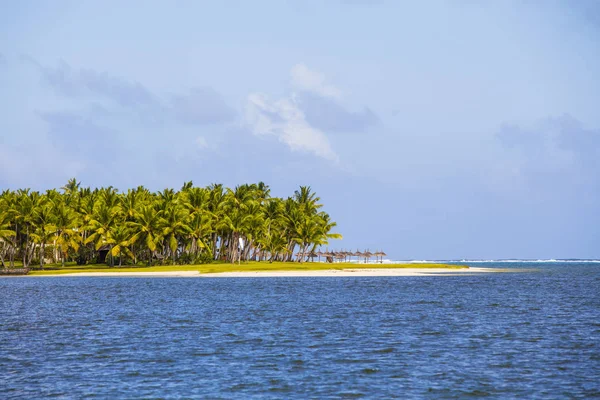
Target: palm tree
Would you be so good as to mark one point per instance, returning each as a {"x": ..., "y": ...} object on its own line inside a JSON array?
[
  {"x": 104, "y": 219},
  {"x": 86, "y": 211},
  {"x": 216, "y": 201},
  {"x": 174, "y": 227},
  {"x": 307, "y": 199},
  {"x": 325, "y": 227},
  {"x": 119, "y": 237},
  {"x": 237, "y": 218},
  {"x": 43, "y": 218},
  {"x": 23, "y": 209},
  {"x": 7, "y": 226},
  {"x": 109, "y": 197},
  {"x": 7, "y": 234},
  {"x": 275, "y": 244},
  {"x": 236, "y": 221},
  {"x": 71, "y": 187},
  {"x": 187, "y": 185},
  {"x": 198, "y": 229},
  {"x": 129, "y": 203},
  {"x": 67, "y": 235},
  {"x": 147, "y": 229},
  {"x": 306, "y": 231},
  {"x": 179, "y": 226}
]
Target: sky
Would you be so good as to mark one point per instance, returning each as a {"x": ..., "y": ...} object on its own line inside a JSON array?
[{"x": 432, "y": 130}]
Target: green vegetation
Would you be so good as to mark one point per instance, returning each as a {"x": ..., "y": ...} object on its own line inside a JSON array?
[
  {"x": 218, "y": 267},
  {"x": 195, "y": 225}
]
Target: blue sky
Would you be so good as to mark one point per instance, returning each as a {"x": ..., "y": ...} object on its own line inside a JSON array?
[{"x": 433, "y": 130}]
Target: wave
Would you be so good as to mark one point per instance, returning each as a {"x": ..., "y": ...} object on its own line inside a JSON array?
[
  {"x": 498, "y": 261},
  {"x": 539, "y": 261},
  {"x": 475, "y": 261}
]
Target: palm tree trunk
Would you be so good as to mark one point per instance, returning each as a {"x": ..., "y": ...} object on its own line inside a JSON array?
[
  {"x": 12, "y": 255},
  {"x": 30, "y": 253},
  {"x": 54, "y": 251},
  {"x": 25, "y": 248},
  {"x": 2, "y": 255},
  {"x": 232, "y": 247},
  {"x": 249, "y": 246},
  {"x": 42, "y": 248},
  {"x": 290, "y": 254},
  {"x": 214, "y": 249}
]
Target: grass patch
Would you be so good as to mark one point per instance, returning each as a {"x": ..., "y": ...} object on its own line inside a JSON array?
[{"x": 218, "y": 267}]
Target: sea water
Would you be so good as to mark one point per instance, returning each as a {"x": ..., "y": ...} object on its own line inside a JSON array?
[{"x": 532, "y": 334}]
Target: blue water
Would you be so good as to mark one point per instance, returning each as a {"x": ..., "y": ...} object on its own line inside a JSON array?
[{"x": 530, "y": 335}]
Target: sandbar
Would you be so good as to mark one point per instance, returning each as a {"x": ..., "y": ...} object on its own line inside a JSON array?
[{"x": 355, "y": 272}]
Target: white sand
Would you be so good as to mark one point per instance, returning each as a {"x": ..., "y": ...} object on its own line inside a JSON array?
[
  {"x": 314, "y": 273},
  {"x": 357, "y": 272}
]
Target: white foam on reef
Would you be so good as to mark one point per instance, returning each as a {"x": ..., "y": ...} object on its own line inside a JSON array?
[
  {"x": 539, "y": 261},
  {"x": 492, "y": 261}
]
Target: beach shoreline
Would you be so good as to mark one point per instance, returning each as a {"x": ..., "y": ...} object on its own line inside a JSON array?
[{"x": 346, "y": 272}]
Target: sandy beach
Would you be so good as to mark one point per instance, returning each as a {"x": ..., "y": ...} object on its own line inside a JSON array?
[
  {"x": 359, "y": 272},
  {"x": 313, "y": 273}
]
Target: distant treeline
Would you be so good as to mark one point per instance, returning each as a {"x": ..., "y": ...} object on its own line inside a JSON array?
[{"x": 189, "y": 226}]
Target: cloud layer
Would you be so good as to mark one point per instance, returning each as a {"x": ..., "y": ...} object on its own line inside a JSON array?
[
  {"x": 284, "y": 120},
  {"x": 304, "y": 119}
]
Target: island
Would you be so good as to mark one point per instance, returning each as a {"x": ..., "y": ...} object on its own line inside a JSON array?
[{"x": 192, "y": 231}]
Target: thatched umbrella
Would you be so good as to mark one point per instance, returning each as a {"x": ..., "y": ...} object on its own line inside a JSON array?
[
  {"x": 348, "y": 254},
  {"x": 367, "y": 255},
  {"x": 319, "y": 254},
  {"x": 382, "y": 254},
  {"x": 312, "y": 256},
  {"x": 342, "y": 255},
  {"x": 358, "y": 255},
  {"x": 379, "y": 254},
  {"x": 376, "y": 254},
  {"x": 328, "y": 256}
]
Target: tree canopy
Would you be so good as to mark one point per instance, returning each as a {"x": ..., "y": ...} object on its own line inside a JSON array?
[{"x": 189, "y": 226}]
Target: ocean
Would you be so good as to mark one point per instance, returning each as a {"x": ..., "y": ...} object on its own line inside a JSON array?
[{"x": 534, "y": 333}]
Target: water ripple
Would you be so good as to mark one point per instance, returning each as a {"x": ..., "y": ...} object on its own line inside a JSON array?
[{"x": 529, "y": 335}]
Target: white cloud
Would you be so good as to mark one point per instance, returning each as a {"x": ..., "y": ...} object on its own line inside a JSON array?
[
  {"x": 313, "y": 81},
  {"x": 283, "y": 118}
]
